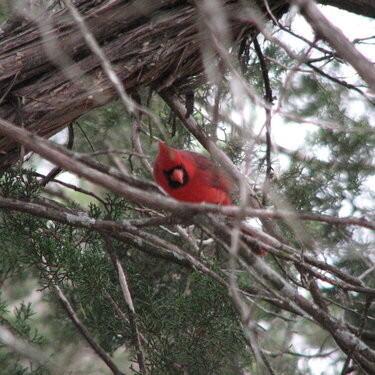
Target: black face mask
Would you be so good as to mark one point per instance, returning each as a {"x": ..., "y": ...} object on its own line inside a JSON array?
[{"x": 173, "y": 183}]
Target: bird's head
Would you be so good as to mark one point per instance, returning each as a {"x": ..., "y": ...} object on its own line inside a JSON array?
[
  {"x": 167, "y": 155},
  {"x": 174, "y": 164}
]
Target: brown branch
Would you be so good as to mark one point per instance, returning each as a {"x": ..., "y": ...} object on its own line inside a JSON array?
[
  {"x": 119, "y": 230},
  {"x": 301, "y": 261},
  {"x": 136, "y": 128},
  {"x": 147, "y": 246},
  {"x": 65, "y": 159},
  {"x": 269, "y": 99},
  {"x": 337, "y": 40},
  {"x": 360, "y": 352},
  {"x": 272, "y": 245},
  {"x": 124, "y": 231},
  {"x": 339, "y": 81},
  {"x": 365, "y": 8},
  {"x": 61, "y": 194},
  {"x": 348, "y": 343},
  {"x": 74, "y": 188},
  {"x": 55, "y": 171},
  {"x": 129, "y": 301},
  {"x": 298, "y": 155},
  {"x": 98, "y": 52},
  {"x": 327, "y": 55},
  {"x": 60, "y": 156},
  {"x": 122, "y": 152},
  {"x": 217, "y": 154},
  {"x": 29, "y": 350},
  {"x": 342, "y": 285},
  {"x": 80, "y": 326}
]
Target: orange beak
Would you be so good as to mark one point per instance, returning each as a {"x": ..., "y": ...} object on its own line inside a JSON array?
[{"x": 178, "y": 176}]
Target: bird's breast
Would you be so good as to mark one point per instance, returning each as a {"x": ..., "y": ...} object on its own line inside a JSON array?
[{"x": 198, "y": 193}]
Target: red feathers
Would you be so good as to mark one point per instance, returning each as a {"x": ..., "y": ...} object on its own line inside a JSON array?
[{"x": 190, "y": 177}]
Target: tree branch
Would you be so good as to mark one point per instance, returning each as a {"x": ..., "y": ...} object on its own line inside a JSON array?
[
  {"x": 29, "y": 350},
  {"x": 334, "y": 36},
  {"x": 80, "y": 326},
  {"x": 129, "y": 301}
]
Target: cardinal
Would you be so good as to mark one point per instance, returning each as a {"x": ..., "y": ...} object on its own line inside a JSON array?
[{"x": 190, "y": 177}]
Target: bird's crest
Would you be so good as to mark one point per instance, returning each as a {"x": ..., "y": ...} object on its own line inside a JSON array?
[{"x": 166, "y": 150}]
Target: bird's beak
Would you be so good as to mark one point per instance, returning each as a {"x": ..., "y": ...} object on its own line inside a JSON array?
[{"x": 178, "y": 176}]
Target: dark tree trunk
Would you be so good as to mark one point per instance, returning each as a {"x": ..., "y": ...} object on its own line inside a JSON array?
[{"x": 362, "y": 7}]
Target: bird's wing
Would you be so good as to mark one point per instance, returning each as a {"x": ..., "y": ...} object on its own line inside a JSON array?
[{"x": 215, "y": 177}]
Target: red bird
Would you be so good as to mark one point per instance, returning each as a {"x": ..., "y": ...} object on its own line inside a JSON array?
[{"x": 191, "y": 177}]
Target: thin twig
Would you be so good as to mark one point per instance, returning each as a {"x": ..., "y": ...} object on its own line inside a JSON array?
[
  {"x": 79, "y": 324},
  {"x": 75, "y": 188},
  {"x": 62, "y": 157},
  {"x": 338, "y": 41},
  {"x": 269, "y": 100},
  {"x": 55, "y": 171},
  {"x": 129, "y": 301},
  {"x": 28, "y": 350},
  {"x": 122, "y": 152}
]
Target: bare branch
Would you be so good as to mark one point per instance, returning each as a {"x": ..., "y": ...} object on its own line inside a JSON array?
[
  {"x": 29, "y": 350},
  {"x": 129, "y": 301},
  {"x": 80, "y": 326},
  {"x": 349, "y": 344},
  {"x": 334, "y": 36},
  {"x": 55, "y": 171},
  {"x": 269, "y": 99},
  {"x": 217, "y": 154},
  {"x": 59, "y": 156}
]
